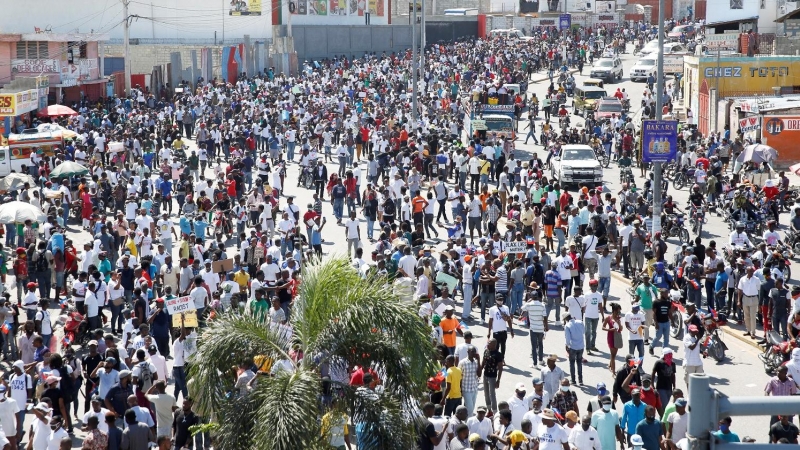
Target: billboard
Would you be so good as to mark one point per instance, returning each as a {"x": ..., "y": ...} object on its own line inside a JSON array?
[
  {"x": 8, "y": 105},
  {"x": 782, "y": 133},
  {"x": 659, "y": 140},
  {"x": 245, "y": 8}
]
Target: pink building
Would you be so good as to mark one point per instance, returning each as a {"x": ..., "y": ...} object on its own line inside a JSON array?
[{"x": 70, "y": 61}]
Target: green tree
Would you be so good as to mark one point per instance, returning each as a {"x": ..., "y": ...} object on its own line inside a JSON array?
[{"x": 338, "y": 319}]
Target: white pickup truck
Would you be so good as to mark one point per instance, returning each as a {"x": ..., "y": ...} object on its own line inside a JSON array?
[{"x": 648, "y": 65}]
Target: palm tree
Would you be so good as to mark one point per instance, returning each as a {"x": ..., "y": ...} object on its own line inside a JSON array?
[{"x": 338, "y": 320}]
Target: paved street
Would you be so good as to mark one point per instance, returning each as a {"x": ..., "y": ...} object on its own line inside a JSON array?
[{"x": 740, "y": 374}]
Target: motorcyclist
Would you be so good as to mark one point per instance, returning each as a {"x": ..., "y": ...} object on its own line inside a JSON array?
[
  {"x": 618, "y": 94},
  {"x": 662, "y": 279},
  {"x": 738, "y": 238}
]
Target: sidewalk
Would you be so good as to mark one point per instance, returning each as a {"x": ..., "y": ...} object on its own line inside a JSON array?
[{"x": 732, "y": 329}]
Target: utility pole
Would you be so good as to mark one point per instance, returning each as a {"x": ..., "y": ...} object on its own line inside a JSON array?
[
  {"x": 657, "y": 166},
  {"x": 414, "y": 62},
  {"x": 127, "y": 44}
]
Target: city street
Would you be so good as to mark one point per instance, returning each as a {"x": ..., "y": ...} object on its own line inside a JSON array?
[{"x": 740, "y": 374}]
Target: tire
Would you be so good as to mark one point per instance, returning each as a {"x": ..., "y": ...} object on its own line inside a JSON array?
[
  {"x": 716, "y": 351},
  {"x": 787, "y": 273},
  {"x": 675, "y": 325},
  {"x": 606, "y": 160},
  {"x": 679, "y": 182},
  {"x": 775, "y": 361},
  {"x": 684, "y": 235},
  {"x": 699, "y": 229}
]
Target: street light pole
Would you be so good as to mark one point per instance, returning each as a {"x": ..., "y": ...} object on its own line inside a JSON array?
[
  {"x": 127, "y": 44},
  {"x": 657, "y": 166},
  {"x": 414, "y": 66}
]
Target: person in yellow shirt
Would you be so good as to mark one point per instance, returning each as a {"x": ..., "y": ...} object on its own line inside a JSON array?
[
  {"x": 336, "y": 430},
  {"x": 452, "y": 393},
  {"x": 242, "y": 278}
]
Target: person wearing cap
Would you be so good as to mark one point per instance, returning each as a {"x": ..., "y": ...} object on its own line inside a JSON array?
[
  {"x": 678, "y": 421},
  {"x": 606, "y": 421},
  {"x": 116, "y": 400},
  {"x": 551, "y": 432},
  {"x": 633, "y": 412},
  {"x": 518, "y": 404},
  {"x": 692, "y": 360},
  {"x": 98, "y": 411},
  {"x": 635, "y": 323},
  {"x": 664, "y": 376},
  {"x": 500, "y": 322},
  {"x": 479, "y": 424},
  {"x": 106, "y": 374},
  {"x": 450, "y": 328}
]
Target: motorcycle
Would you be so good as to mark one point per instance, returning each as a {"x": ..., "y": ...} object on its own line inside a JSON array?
[
  {"x": 713, "y": 345},
  {"x": 777, "y": 352},
  {"x": 696, "y": 219},
  {"x": 222, "y": 223},
  {"x": 676, "y": 317},
  {"x": 76, "y": 328},
  {"x": 682, "y": 178},
  {"x": 674, "y": 227},
  {"x": 602, "y": 156}
]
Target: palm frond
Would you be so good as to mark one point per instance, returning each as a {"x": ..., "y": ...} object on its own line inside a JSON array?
[
  {"x": 289, "y": 411},
  {"x": 227, "y": 341}
]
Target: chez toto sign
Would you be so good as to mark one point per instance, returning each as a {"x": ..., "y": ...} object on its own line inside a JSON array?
[{"x": 179, "y": 305}]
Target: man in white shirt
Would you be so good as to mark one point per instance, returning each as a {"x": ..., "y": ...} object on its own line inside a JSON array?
[
  {"x": 352, "y": 233},
  {"x": 199, "y": 296},
  {"x": 518, "y": 404},
  {"x": 9, "y": 409},
  {"x": 480, "y": 424},
  {"x": 634, "y": 322},
  {"x": 692, "y": 362},
  {"x": 678, "y": 421},
  {"x": 592, "y": 315},
  {"x": 576, "y": 303},
  {"x": 500, "y": 323},
  {"x": 211, "y": 278},
  {"x": 466, "y": 284},
  {"x": 584, "y": 437}
]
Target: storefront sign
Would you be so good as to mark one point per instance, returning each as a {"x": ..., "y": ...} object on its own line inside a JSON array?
[
  {"x": 8, "y": 105},
  {"x": 782, "y": 133},
  {"x": 27, "y": 101},
  {"x": 660, "y": 139},
  {"x": 728, "y": 41},
  {"x": 750, "y": 124},
  {"x": 35, "y": 65},
  {"x": 738, "y": 72}
]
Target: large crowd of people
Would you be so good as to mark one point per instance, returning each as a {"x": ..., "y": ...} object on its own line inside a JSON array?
[{"x": 195, "y": 198}]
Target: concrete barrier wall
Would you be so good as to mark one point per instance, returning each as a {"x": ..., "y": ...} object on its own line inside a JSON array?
[{"x": 318, "y": 42}]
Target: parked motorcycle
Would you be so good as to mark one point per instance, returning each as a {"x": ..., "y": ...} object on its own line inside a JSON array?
[
  {"x": 777, "y": 352},
  {"x": 714, "y": 347}
]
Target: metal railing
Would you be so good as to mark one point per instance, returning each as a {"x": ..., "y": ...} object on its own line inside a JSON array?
[{"x": 707, "y": 406}]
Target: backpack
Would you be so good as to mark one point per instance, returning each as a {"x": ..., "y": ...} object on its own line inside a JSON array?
[
  {"x": 207, "y": 204},
  {"x": 145, "y": 379},
  {"x": 41, "y": 262}
]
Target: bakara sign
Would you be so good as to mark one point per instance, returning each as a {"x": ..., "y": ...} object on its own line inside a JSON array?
[{"x": 35, "y": 66}]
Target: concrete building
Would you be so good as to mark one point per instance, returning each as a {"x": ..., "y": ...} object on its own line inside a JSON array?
[{"x": 70, "y": 62}]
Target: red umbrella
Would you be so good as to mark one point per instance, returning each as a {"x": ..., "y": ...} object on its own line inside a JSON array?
[{"x": 56, "y": 110}]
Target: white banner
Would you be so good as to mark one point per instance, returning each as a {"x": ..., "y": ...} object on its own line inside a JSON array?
[
  {"x": 516, "y": 246},
  {"x": 179, "y": 305}
]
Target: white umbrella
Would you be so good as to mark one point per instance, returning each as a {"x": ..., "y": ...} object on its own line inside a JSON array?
[
  {"x": 19, "y": 212},
  {"x": 15, "y": 181}
]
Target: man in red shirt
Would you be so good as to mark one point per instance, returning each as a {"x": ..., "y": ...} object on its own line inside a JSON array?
[{"x": 704, "y": 161}]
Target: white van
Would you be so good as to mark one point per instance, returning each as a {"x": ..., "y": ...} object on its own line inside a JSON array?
[{"x": 648, "y": 65}]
